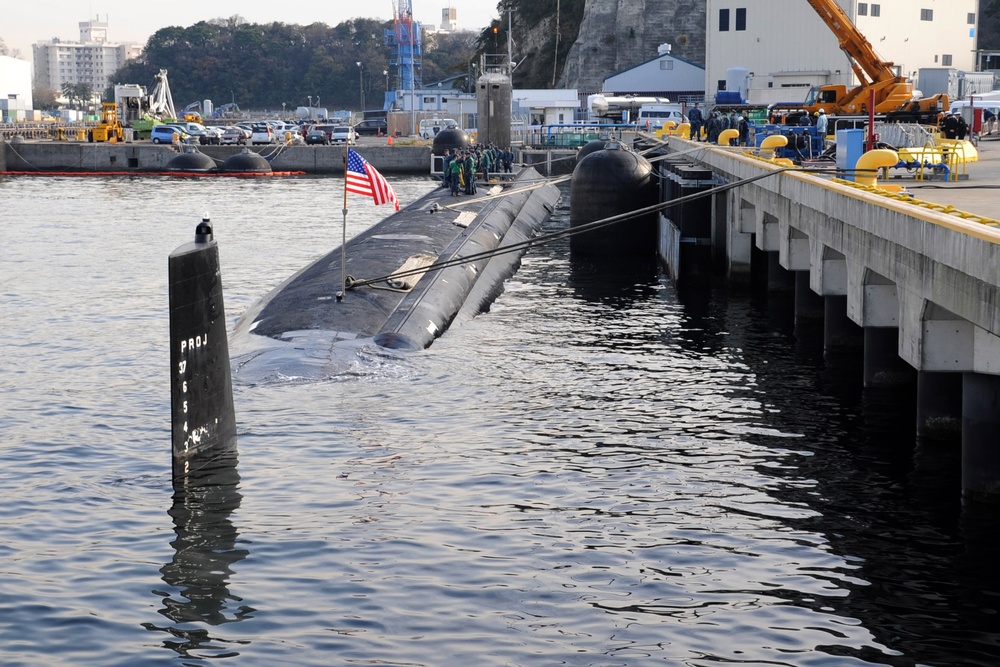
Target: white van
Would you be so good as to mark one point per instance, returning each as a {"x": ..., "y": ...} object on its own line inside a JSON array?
[
  {"x": 430, "y": 127},
  {"x": 657, "y": 115}
]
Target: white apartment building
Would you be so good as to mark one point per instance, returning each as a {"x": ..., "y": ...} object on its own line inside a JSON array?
[
  {"x": 775, "y": 50},
  {"x": 92, "y": 60}
]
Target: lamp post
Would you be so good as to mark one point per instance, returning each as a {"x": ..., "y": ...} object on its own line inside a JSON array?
[
  {"x": 283, "y": 109},
  {"x": 361, "y": 87},
  {"x": 385, "y": 73}
]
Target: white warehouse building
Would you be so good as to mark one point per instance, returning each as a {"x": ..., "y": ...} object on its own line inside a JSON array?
[
  {"x": 15, "y": 88},
  {"x": 778, "y": 49}
]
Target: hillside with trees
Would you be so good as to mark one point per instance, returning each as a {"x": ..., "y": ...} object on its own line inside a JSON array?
[{"x": 261, "y": 66}]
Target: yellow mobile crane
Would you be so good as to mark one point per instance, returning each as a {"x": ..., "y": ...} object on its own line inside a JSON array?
[{"x": 893, "y": 93}]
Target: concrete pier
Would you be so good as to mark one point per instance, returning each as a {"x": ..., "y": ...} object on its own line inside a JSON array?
[
  {"x": 72, "y": 156},
  {"x": 916, "y": 285}
]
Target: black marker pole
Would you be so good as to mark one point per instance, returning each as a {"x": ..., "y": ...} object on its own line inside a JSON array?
[{"x": 203, "y": 421}]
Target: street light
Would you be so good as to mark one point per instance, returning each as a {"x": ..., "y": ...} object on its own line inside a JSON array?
[
  {"x": 283, "y": 109},
  {"x": 361, "y": 86},
  {"x": 385, "y": 73}
]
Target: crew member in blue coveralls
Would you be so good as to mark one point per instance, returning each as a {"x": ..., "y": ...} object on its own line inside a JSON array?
[
  {"x": 696, "y": 120},
  {"x": 821, "y": 123}
]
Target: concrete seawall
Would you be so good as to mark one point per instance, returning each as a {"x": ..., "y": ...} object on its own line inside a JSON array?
[{"x": 87, "y": 157}]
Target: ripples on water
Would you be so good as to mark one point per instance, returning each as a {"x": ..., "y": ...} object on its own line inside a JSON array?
[{"x": 599, "y": 471}]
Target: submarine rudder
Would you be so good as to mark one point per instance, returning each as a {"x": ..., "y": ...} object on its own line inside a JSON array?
[{"x": 203, "y": 419}]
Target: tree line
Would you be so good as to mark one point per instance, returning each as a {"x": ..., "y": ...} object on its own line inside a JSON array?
[{"x": 261, "y": 66}]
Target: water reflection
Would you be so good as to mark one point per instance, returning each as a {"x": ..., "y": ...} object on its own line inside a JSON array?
[
  {"x": 614, "y": 282},
  {"x": 206, "y": 547},
  {"x": 874, "y": 488}
]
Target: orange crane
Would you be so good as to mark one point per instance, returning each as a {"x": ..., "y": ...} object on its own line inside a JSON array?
[{"x": 893, "y": 94}]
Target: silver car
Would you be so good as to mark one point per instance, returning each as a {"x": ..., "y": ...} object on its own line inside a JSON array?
[
  {"x": 235, "y": 135},
  {"x": 344, "y": 134}
]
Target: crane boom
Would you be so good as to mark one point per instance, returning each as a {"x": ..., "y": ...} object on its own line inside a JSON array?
[
  {"x": 892, "y": 93},
  {"x": 865, "y": 62}
]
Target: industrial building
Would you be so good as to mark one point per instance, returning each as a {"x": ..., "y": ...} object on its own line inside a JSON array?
[{"x": 778, "y": 49}]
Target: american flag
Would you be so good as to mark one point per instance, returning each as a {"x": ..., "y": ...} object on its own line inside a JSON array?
[{"x": 364, "y": 179}]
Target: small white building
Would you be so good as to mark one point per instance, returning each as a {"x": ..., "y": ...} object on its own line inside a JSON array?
[
  {"x": 665, "y": 75},
  {"x": 15, "y": 88},
  {"x": 540, "y": 106},
  {"x": 785, "y": 48}
]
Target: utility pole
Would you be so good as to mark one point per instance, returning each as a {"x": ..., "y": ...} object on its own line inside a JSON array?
[
  {"x": 510, "y": 41},
  {"x": 555, "y": 56},
  {"x": 361, "y": 88}
]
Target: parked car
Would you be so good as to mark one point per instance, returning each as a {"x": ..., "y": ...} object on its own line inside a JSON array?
[
  {"x": 236, "y": 135},
  {"x": 291, "y": 131},
  {"x": 210, "y": 136},
  {"x": 262, "y": 134},
  {"x": 317, "y": 135},
  {"x": 344, "y": 134},
  {"x": 371, "y": 128},
  {"x": 164, "y": 134},
  {"x": 325, "y": 127}
]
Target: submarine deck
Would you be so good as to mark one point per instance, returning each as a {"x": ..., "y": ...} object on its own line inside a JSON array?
[{"x": 305, "y": 310}]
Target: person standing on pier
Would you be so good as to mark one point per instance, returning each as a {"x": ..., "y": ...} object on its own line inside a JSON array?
[{"x": 696, "y": 120}]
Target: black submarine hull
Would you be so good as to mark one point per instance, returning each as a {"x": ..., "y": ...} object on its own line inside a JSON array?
[{"x": 303, "y": 329}]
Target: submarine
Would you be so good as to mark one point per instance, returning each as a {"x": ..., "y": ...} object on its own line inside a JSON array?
[{"x": 398, "y": 285}]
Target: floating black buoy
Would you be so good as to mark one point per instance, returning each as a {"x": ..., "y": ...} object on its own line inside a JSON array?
[
  {"x": 191, "y": 160},
  {"x": 607, "y": 183},
  {"x": 450, "y": 137},
  {"x": 203, "y": 421},
  {"x": 246, "y": 162}
]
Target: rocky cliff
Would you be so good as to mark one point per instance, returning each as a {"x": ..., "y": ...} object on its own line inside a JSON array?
[{"x": 618, "y": 34}]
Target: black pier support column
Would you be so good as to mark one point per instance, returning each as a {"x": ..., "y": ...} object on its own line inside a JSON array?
[
  {"x": 883, "y": 367},
  {"x": 980, "y": 439},
  {"x": 939, "y": 405},
  {"x": 203, "y": 421}
]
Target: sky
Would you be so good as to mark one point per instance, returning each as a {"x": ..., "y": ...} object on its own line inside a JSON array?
[{"x": 22, "y": 24}]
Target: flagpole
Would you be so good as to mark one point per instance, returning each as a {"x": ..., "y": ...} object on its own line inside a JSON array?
[{"x": 343, "y": 238}]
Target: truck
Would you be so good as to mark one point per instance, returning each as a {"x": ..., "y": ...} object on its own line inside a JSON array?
[
  {"x": 620, "y": 108},
  {"x": 893, "y": 94}
]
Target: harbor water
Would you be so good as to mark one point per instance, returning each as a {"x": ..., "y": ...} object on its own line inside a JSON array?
[{"x": 601, "y": 470}]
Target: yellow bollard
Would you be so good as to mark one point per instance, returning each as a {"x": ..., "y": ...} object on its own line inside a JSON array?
[
  {"x": 871, "y": 162},
  {"x": 726, "y": 135},
  {"x": 770, "y": 144}
]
